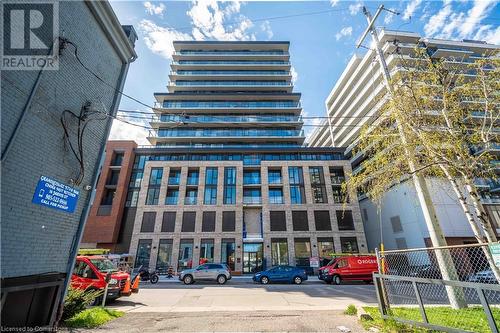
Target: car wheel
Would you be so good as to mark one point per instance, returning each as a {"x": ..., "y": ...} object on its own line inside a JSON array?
[
  {"x": 221, "y": 279},
  {"x": 188, "y": 279},
  {"x": 154, "y": 279},
  {"x": 337, "y": 279},
  {"x": 264, "y": 280},
  {"x": 297, "y": 280}
]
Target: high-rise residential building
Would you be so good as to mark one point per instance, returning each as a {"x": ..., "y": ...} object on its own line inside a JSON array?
[
  {"x": 227, "y": 177},
  {"x": 355, "y": 101}
]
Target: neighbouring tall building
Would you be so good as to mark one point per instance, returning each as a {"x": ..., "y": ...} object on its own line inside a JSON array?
[
  {"x": 49, "y": 165},
  {"x": 227, "y": 178},
  {"x": 355, "y": 101}
]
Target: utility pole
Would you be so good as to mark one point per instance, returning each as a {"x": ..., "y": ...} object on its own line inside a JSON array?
[{"x": 443, "y": 257}]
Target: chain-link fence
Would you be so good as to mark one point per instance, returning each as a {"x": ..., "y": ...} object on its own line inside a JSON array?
[{"x": 451, "y": 288}]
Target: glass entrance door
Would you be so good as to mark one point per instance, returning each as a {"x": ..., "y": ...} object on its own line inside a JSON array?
[{"x": 252, "y": 257}]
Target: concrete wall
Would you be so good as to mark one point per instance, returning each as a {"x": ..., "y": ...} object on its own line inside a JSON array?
[{"x": 402, "y": 201}]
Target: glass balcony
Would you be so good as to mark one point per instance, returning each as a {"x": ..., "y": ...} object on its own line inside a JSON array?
[
  {"x": 190, "y": 201},
  {"x": 174, "y": 180},
  {"x": 230, "y": 104},
  {"x": 228, "y": 132},
  {"x": 231, "y": 62},
  {"x": 230, "y": 52},
  {"x": 230, "y": 83},
  {"x": 276, "y": 200},
  {"x": 252, "y": 200},
  {"x": 225, "y": 118},
  {"x": 229, "y": 72},
  {"x": 251, "y": 178}
]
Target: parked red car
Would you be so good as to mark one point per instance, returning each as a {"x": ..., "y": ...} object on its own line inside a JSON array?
[
  {"x": 349, "y": 268},
  {"x": 90, "y": 274}
]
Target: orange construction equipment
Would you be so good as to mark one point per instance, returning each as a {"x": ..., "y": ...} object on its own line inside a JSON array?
[
  {"x": 126, "y": 290},
  {"x": 135, "y": 285}
]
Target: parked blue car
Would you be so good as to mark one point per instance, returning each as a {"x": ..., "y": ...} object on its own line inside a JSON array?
[{"x": 286, "y": 274}]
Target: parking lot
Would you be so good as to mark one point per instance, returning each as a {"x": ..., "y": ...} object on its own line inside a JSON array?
[{"x": 241, "y": 294}]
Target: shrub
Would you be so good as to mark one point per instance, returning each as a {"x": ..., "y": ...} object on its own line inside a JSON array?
[
  {"x": 92, "y": 318},
  {"x": 77, "y": 300},
  {"x": 351, "y": 310}
]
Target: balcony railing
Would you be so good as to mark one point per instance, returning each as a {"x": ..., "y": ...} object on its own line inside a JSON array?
[
  {"x": 229, "y": 84},
  {"x": 228, "y": 72},
  {"x": 224, "y": 118},
  {"x": 252, "y": 200},
  {"x": 227, "y": 104},
  {"x": 227, "y": 133},
  {"x": 276, "y": 200},
  {"x": 233, "y": 62},
  {"x": 190, "y": 201},
  {"x": 225, "y": 52}
]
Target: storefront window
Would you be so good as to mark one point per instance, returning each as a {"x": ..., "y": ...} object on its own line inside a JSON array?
[
  {"x": 279, "y": 251},
  {"x": 302, "y": 251},
  {"x": 325, "y": 250},
  {"x": 349, "y": 245},
  {"x": 143, "y": 253},
  {"x": 206, "y": 251},
  {"x": 164, "y": 255},
  {"x": 185, "y": 254},
  {"x": 227, "y": 252}
]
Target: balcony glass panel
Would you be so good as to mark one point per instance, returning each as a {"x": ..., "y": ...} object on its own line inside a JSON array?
[
  {"x": 174, "y": 177},
  {"x": 231, "y": 52},
  {"x": 227, "y": 132},
  {"x": 230, "y": 72},
  {"x": 231, "y": 62},
  {"x": 232, "y": 83},
  {"x": 251, "y": 177},
  {"x": 276, "y": 196},
  {"x": 227, "y": 118},
  {"x": 252, "y": 196},
  {"x": 231, "y": 104}
]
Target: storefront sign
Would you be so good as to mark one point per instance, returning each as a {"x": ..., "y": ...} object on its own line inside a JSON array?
[
  {"x": 54, "y": 194},
  {"x": 495, "y": 252},
  {"x": 314, "y": 261}
]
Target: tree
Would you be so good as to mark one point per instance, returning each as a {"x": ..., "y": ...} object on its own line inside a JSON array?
[{"x": 447, "y": 110}]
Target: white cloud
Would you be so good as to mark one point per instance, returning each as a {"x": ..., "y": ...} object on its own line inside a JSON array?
[
  {"x": 295, "y": 75},
  {"x": 209, "y": 19},
  {"x": 334, "y": 2},
  {"x": 451, "y": 24},
  {"x": 355, "y": 8},
  {"x": 159, "y": 39},
  {"x": 345, "y": 31},
  {"x": 411, "y": 8},
  {"x": 124, "y": 131},
  {"x": 266, "y": 27},
  {"x": 153, "y": 9}
]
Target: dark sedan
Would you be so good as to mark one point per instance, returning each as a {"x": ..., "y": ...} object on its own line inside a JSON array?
[{"x": 286, "y": 274}]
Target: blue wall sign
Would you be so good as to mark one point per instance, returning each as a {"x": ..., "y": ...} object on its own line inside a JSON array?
[{"x": 53, "y": 194}]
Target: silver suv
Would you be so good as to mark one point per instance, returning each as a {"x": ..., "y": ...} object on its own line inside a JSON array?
[{"x": 214, "y": 272}]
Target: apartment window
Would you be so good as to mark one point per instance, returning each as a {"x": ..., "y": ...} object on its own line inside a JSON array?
[
  {"x": 227, "y": 252},
  {"x": 349, "y": 244},
  {"x": 252, "y": 196},
  {"x": 296, "y": 178},
  {"x": 339, "y": 197},
  {"x": 206, "y": 251},
  {"x": 401, "y": 243},
  {"x": 107, "y": 197},
  {"x": 135, "y": 179},
  {"x": 132, "y": 198},
  {"x": 228, "y": 221},
  {"x": 299, "y": 220},
  {"x": 345, "y": 220},
  {"x": 251, "y": 177},
  {"x": 117, "y": 159},
  {"x": 318, "y": 185},
  {"x": 275, "y": 196},
  {"x": 191, "y": 196},
  {"x": 148, "y": 222},
  {"x": 302, "y": 251},
  {"x": 188, "y": 221},
  {"x": 185, "y": 254},
  {"x": 163, "y": 261},
  {"x": 208, "y": 222},
  {"x": 193, "y": 176},
  {"x": 325, "y": 248},
  {"x": 230, "y": 186},
  {"x": 277, "y": 220},
  {"x": 322, "y": 220},
  {"x": 174, "y": 177},
  {"x": 396, "y": 224},
  {"x": 337, "y": 176},
  {"x": 156, "y": 176},
  {"x": 210, "y": 197},
  {"x": 279, "y": 251},
  {"x": 152, "y": 196},
  {"x": 113, "y": 177},
  {"x": 168, "y": 222},
  {"x": 143, "y": 253},
  {"x": 172, "y": 196},
  {"x": 274, "y": 176}
]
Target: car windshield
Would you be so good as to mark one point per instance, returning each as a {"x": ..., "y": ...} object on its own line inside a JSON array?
[{"x": 104, "y": 265}]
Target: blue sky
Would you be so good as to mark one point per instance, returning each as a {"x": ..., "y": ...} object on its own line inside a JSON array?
[{"x": 321, "y": 43}]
